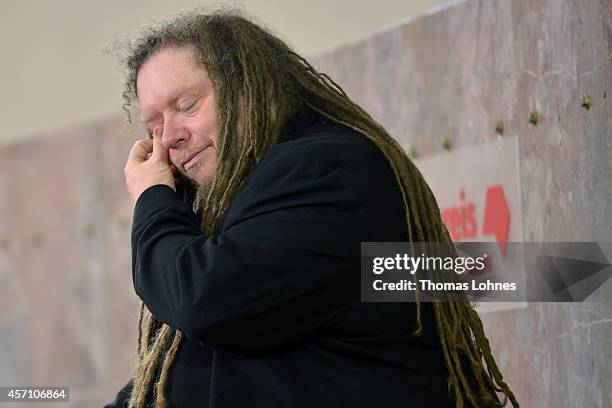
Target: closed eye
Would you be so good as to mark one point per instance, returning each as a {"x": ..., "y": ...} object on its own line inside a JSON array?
[{"x": 189, "y": 108}]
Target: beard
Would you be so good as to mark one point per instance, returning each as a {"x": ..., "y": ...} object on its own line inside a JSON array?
[
  {"x": 193, "y": 193},
  {"x": 193, "y": 186}
]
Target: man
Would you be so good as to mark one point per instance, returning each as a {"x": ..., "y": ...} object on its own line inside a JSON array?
[{"x": 258, "y": 183}]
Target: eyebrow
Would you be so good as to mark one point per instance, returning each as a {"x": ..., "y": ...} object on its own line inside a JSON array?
[{"x": 173, "y": 99}]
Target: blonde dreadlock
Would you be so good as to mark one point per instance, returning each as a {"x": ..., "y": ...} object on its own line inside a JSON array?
[{"x": 260, "y": 83}]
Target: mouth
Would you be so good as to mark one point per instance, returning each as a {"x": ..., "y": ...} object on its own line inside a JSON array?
[{"x": 192, "y": 159}]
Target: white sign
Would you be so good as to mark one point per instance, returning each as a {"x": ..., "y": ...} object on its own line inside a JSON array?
[{"x": 479, "y": 194}]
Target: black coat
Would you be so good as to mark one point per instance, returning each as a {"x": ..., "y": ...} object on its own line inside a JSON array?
[{"x": 270, "y": 304}]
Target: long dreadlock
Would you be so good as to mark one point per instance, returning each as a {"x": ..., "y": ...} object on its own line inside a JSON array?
[{"x": 260, "y": 83}]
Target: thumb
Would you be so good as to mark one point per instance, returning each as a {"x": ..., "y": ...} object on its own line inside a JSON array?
[{"x": 159, "y": 151}]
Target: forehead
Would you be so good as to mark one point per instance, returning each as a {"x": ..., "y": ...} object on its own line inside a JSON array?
[{"x": 166, "y": 74}]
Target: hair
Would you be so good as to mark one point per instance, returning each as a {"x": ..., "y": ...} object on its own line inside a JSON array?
[{"x": 256, "y": 74}]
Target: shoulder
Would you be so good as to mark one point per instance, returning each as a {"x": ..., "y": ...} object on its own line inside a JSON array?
[
  {"x": 322, "y": 149},
  {"x": 331, "y": 171}
]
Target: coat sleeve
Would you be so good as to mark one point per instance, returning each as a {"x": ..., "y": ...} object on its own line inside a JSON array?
[
  {"x": 122, "y": 397},
  {"x": 285, "y": 262}
]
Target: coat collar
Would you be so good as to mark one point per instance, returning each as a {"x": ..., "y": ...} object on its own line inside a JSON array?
[{"x": 303, "y": 121}]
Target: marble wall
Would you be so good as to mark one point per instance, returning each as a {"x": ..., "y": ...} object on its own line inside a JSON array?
[
  {"x": 454, "y": 74},
  {"x": 68, "y": 311},
  {"x": 67, "y": 307}
]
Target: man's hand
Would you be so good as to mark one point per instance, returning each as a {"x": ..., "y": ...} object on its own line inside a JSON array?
[{"x": 147, "y": 165}]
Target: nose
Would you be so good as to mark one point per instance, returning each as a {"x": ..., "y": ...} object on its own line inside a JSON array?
[{"x": 173, "y": 136}]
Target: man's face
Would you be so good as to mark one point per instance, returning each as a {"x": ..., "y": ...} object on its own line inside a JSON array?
[{"x": 177, "y": 99}]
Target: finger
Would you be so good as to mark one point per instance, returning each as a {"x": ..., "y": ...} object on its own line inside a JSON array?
[
  {"x": 159, "y": 151},
  {"x": 139, "y": 151}
]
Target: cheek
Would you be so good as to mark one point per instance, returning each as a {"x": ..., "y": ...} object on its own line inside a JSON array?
[{"x": 208, "y": 121}]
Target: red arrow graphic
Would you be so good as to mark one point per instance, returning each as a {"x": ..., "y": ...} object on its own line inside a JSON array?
[{"x": 497, "y": 217}]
